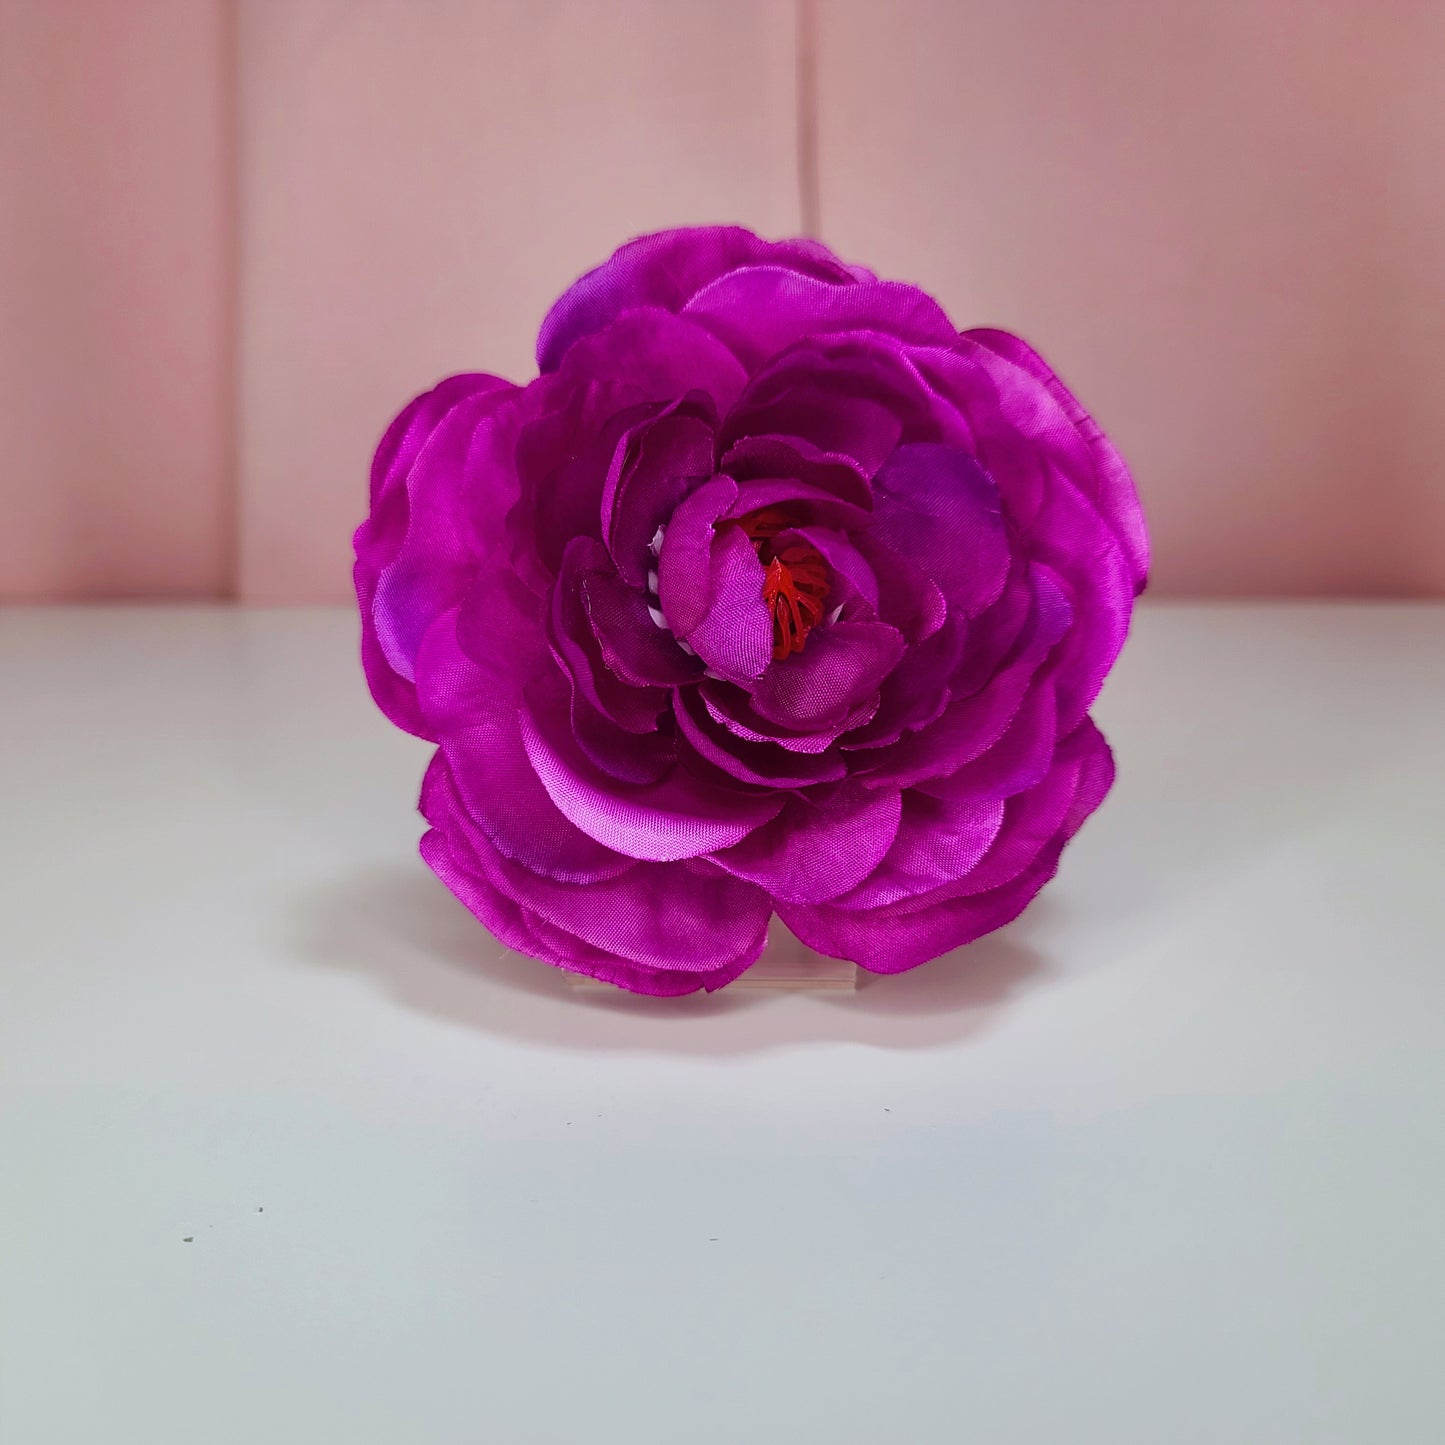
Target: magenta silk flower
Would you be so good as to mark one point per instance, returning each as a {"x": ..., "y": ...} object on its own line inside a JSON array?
[{"x": 773, "y": 592}]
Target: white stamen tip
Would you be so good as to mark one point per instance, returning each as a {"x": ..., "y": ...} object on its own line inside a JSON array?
[
  {"x": 656, "y": 543},
  {"x": 652, "y": 583},
  {"x": 658, "y": 618},
  {"x": 833, "y": 615},
  {"x": 686, "y": 648}
]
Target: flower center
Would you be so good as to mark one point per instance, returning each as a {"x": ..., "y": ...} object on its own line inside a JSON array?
[{"x": 796, "y": 585}]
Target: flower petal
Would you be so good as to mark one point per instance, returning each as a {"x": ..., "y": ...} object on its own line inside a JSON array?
[
  {"x": 652, "y": 355},
  {"x": 901, "y": 936},
  {"x": 1086, "y": 563},
  {"x": 860, "y": 428},
  {"x": 684, "y": 565},
  {"x": 818, "y": 847},
  {"x": 628, "y": 757},
  {"x": 519, "y": 928},
  {"x": 655, "y": 466},
  {"x": 775, "y": 459},
  {"x": 421, "y": 554},
  {"x": 1078, "y": 780},
  {"x": 855, "y": 396},
  {"x": 995, "y": 634},
  {"x": 403, "y": 440},
  {"x": 938, "y": 842},
  {"x": 908, "y": 598},
  {"x": 936, "y": 506},
  {"x": 759, "y": 310},
  {"x": 917, "y": 691},
  {"x": 844, "y": 560},
  {"x": 563, "y": 456},
  {"x": 474, "y": 713},
  {"x": 970, "y": 725},
  {"x": 1020, "y": 758},
  {"x": 810, "y": 505},
  {"x": 891, "y": 941},
  {"x": 666, "y": 270},
  {"x": 679, "y": 817},
  {"x": 839, "y": 667},
  {"x": 1106, "y": 480},
  {"x": 735, "y": 636},
  {"x": 652, "y": 917},
  {"x": 733, "y": 708},
  {"x": 719, "y": 754},
  {"x": 634, "y": 709},
  {"x": 633, "y": 646}
]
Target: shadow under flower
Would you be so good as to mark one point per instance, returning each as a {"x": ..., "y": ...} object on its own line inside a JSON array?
[{"x": 400, "y": 928}]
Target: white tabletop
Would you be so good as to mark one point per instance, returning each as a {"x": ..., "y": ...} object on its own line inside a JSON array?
[{"x": 292, "y": 1151}]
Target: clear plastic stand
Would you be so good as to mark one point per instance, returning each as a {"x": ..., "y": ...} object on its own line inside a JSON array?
[{"x": 786, "y": 963}]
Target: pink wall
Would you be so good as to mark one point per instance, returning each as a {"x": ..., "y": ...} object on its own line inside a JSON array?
[
  {"x": 419, "y": 182},
  {"x": 115, "y": 340},
  {"x": 1223, "y": 222}
]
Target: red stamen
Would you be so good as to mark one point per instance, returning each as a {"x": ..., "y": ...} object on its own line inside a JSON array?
[{"x": 796, "y": 585}]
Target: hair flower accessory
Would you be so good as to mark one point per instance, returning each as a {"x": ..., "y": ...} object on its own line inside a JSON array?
[{"x": 773, "y": 592}]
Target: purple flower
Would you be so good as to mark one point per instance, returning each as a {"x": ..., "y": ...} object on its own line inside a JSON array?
[{"x": 772, "y": 593}]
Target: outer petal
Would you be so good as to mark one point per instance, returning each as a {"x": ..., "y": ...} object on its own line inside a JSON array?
[
  {"x": 415, "y": 552},
  {"x": 1077, "y": 781},
  {"x": 969, "y": 726},
  {"x": 473, "y": 709},
  {"x": 651, "y": 928},
  {"x": 893, "y": 938},
  {"x": 938, "y": 843},
  {"x": 656, "y": 356},
  {"x": 500, "y": 628},
  {"x": 519, "y": 928},
  {"x": 818, "y": 847},
  {"x": 1081, "y": 776},
  {"x": 666, "y": 269},
  {"x": 1107, "y": 481},
  {"x": 404, "y": 438},
  {"x": 1072, "y": 543},
  {"x": 888, "y": 941},
  {"x": 563, "y": 456},
  {"x": 1020, "y": 758},
  {"x": 761, "y": 310}
]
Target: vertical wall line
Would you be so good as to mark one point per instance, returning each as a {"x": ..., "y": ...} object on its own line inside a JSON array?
[
  {"x": 809, "y": 203},
  {"x": 230, "y": 479}
]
